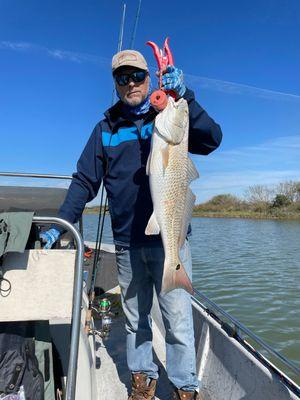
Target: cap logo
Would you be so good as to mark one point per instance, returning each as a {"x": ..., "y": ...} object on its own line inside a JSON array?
[{"x": 127, "y": 57}]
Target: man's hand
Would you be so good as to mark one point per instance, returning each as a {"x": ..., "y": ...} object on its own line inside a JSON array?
[
  {"x": 173, "y": 80},
  {"x": 49, "y": 237}
]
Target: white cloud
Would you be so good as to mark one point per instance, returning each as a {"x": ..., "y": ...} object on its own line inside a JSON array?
[
  {"x": 233, "y": 171},
  {"x": 239, "y": 88},
  {"x": 16, "y": 46},
  {"x": 54, "y": 53},
  {"x": 204, "y": 82}
]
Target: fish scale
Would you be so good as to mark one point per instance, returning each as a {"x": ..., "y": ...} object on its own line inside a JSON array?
[
  {"x": 170, "y": 171},
  {"x": 174, "y": 177}
]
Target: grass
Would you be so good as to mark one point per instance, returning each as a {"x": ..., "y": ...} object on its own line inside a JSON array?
[
  {"x": 250, "y": 214},
  {"x": 240, "y": 210}
]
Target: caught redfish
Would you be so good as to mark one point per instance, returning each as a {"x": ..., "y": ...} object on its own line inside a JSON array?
[{"x": 170, "y": 172}]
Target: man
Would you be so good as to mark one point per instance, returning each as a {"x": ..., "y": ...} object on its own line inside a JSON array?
[{"x": 117, "y": 153}]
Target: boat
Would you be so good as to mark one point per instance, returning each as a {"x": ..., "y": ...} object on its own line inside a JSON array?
[{"x": 53, "y": 287}]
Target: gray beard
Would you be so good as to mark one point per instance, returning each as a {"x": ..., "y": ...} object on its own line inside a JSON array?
[{"x": 133, "y": 103}]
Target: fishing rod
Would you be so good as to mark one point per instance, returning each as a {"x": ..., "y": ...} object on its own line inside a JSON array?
[
  {"x": 120, "y": 45},
  {"x": 102, "y": 209},
  {"x": 135, "y": 25}
]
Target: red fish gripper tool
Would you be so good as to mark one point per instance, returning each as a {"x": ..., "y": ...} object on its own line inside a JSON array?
[{"x": 164, "y": 57}]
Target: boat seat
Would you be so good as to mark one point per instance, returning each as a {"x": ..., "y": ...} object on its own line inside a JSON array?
[{"x": 41, "y": 285}]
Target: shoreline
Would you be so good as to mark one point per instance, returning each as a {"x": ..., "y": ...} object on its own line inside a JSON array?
[
  {"x": 253, "y": 215},
  {"x": 227, "y": 214}
]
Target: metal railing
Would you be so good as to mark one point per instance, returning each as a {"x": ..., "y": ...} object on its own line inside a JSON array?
[
  {"x": 33, "y": 175},
  {"x": 77, "y": 298},
  {"x": 43, "y": 176},
  {"x": 239, "y": 326},
  {"x": 77, "y": 289}
]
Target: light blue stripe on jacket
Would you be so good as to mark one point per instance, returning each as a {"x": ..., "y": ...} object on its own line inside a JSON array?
[{"x": 125, "y": 135}]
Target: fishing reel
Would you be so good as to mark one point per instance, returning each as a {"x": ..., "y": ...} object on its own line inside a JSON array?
[{"x": 102, "y": 308}]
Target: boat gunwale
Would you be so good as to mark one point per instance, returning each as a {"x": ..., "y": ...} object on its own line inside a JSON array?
[{"x": 234, "y": 334}]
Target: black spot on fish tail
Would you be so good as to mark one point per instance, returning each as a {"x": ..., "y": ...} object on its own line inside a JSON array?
[{"x": 176, "y": 278}]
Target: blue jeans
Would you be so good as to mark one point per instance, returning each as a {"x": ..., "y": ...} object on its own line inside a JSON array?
[{"x": 140, "y": 271}]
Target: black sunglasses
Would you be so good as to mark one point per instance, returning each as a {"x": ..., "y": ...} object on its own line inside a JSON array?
[{"x": 136, "y": 76}]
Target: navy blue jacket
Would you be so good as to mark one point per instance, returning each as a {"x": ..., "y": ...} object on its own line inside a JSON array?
[{"x": 117, "y": 153}]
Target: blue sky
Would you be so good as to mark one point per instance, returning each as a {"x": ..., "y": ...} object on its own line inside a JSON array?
[{"x": 242, "y": 59}]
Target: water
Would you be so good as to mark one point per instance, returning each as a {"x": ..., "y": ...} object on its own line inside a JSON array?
[{"x": 251, "y": 268}]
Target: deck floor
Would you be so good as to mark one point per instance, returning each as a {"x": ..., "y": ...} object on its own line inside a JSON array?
[{"x": 113, "y": 376}]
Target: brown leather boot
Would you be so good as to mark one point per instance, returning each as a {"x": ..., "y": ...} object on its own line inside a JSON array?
[
  {"x": 140, "y": 390},
  {"x": 182, "y": 395}
]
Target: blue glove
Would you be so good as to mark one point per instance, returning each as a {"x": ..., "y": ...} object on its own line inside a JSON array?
[
  {"x": 173, "y": 80},
  {"x": 49, "y": 237}
]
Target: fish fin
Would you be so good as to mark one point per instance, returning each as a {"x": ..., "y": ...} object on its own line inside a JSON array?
[
  {"x": 187, "y": 216},
  {"x": 152, "y": 227},
  {"x": 148, "y": 164},
  {"x": 176, "y": 278},
  {"x": 165, "y": 156},
  {"x": 192, "y": 171},
  {"x": 172, "y": 122}
]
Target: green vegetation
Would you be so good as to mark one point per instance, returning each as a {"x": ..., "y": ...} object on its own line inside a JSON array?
[{"x": 260, "y": 202}]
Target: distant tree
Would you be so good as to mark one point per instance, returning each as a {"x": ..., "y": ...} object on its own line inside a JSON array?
[
  {"x": 259, "y": 194},
  {"x": 224, "y": 199},
  {"x": 281, "y": 200},
  {"x": 289, "y": 189},
  {"x": 222, "y": 202},
  {"x": 297, "y": 191}
]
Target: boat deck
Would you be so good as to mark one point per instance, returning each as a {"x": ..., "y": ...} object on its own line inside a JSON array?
[{"x": 113, "y": 377}]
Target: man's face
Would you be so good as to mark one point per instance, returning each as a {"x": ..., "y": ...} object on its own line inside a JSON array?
[{"x": 134, "y": 93}]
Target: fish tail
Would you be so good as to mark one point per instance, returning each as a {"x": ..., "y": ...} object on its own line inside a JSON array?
[{"x": 175, "y": 277}]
